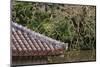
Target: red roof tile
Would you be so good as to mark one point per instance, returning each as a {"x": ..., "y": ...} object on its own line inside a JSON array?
[{"x": 29, "y": 43}]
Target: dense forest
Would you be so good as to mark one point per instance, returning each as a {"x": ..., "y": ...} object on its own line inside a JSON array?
[{"x": 72, "y": 24}]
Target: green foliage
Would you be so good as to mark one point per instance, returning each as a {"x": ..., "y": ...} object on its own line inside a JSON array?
[{"x": 72, "y": 24}]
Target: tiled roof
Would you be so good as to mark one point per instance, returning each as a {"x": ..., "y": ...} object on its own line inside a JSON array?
[{"x": 26, "y": 42}]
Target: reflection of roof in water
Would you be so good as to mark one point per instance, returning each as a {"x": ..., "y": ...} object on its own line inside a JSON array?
[{"x": 29, "y": 43}]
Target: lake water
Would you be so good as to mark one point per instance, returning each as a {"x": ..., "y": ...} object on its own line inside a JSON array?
[
  {"x": 69, "y": 56},
  {"x": 75, "y": 56}
]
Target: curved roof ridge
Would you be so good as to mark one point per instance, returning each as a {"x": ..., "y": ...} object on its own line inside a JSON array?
[{"x": 35, "y": 34}]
